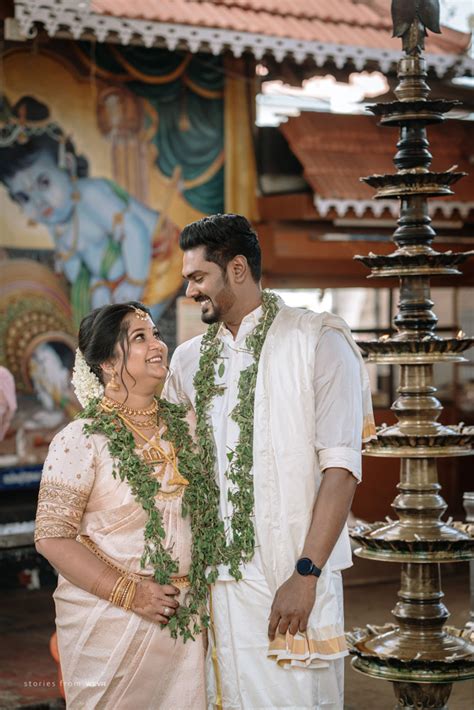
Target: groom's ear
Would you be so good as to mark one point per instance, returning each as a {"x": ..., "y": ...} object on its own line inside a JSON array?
[{"x": 239, "y": 268}]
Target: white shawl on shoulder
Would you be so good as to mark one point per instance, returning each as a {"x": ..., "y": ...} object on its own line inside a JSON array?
[{"x": 287, "y": 474}]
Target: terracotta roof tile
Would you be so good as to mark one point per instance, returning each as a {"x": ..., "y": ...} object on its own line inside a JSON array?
[
  {"x": 364, "y": 23},
  {"x": 336, "y": 150}
]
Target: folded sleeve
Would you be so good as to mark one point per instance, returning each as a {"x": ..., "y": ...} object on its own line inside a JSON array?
[
  {"x": 338, "y": 401},
  {"x": 67, "y": 480}
]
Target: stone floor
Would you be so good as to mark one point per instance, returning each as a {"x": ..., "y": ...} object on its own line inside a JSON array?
[{"x": 28, "y": 674}]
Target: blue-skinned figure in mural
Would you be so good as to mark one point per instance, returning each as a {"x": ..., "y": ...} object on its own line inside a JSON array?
[{"x": 109, "y": 246}]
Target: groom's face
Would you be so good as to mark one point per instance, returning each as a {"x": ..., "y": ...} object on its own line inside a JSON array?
[{"x": 208, "y": 285}]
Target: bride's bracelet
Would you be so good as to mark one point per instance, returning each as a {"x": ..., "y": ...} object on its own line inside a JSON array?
[{"x": 123, "y": 593}]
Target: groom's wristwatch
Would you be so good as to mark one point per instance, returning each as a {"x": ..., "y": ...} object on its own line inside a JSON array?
[{"x": 305, "y": 566}]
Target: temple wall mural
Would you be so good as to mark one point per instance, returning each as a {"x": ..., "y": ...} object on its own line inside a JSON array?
[{"x": 105, "y": 154}]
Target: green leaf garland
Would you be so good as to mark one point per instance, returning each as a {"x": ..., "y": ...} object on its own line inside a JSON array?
[
  {"x": 128, "y": 466},
  {"x": 241, "y": 547}
]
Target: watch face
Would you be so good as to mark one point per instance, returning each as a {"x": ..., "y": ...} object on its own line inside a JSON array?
[{"x": 304, "y": 565}]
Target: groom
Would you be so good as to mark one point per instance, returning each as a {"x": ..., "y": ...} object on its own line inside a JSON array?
[{"x": 283, "y": 396}]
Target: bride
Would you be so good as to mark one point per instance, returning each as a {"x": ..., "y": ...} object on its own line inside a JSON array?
[{"x": 110, "y": 519}]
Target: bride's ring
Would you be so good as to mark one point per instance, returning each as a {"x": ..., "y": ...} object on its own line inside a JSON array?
[{"x": 167, "y": 611}]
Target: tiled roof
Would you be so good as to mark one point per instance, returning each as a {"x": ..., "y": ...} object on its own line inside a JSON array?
[
  {"x": 364, "y": 23},
  {"x": 336, "y": 150},
  {"x": 325, "y": 33}
]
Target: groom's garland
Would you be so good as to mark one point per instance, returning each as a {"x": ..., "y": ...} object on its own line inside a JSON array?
[
  {"x": 198, "y": 464},
  {"x": 239, "y": 473}
]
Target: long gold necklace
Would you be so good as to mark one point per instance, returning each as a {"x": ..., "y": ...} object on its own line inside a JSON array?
[
  {"x": 148, "y": 423},
  {"x": 155, "y": 454}
]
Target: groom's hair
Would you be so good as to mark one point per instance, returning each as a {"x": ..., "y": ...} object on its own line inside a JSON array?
[{"x": 224, "y": 236}]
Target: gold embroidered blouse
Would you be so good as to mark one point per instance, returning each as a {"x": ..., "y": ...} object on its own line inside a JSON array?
[{"x": 80, "y": 496}]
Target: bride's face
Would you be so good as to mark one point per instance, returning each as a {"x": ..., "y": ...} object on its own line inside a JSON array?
[
  {"x": 146, "y": 359},
  {"x": 43, "y": 191}
]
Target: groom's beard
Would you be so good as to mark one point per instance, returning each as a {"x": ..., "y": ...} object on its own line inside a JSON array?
[
  {"x": 216, "y": 309},
  {"x": 210, "y": 314}
]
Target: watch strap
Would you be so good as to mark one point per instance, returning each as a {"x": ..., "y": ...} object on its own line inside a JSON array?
[{"x": 316, "y": 570}]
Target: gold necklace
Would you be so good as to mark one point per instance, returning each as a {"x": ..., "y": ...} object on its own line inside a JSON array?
[
  {"x": 148, "y": 423},
  {"x": 155, "y": 454},
  {"x": 110, "y": 404}
]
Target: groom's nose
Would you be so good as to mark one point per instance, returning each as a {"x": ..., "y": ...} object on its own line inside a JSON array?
[{"x": 191, "y": 290}]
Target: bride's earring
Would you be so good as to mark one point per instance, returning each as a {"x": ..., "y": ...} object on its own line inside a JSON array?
[{"x": 113, "y": 384}]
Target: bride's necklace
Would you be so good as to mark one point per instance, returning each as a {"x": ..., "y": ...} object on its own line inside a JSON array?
[
  {"x": 110, "y": 404},
  {"x": 148, "y": 423},
  {"x": 155, "y": 454}
]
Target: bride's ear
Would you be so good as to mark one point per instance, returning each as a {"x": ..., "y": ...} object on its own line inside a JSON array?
[{"x": 109, "y": 375}]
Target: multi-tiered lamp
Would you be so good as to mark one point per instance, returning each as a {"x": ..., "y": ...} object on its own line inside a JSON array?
[{"x": 419, "y": 654}]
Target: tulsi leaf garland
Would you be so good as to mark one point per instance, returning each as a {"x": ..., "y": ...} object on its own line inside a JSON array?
[
  {"x": 128, "y": 466},
  {"x": 241, "y": 546}
]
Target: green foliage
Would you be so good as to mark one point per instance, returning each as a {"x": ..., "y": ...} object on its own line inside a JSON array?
[
  {"x": 128, "y": 466},
  {"x": 242, "y": 544}
]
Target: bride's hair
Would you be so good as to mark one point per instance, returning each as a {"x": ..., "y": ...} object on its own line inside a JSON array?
[{"x": 102, "y": 330}]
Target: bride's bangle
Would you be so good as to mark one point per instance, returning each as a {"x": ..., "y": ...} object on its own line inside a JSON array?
[{"x": 123, "y": 593}]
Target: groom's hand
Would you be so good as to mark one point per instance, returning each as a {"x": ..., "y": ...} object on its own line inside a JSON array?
[{"x": 292, "y": 605}]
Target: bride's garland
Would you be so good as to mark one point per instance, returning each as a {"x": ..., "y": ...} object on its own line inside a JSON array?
[
  {"x": 128, "y": 466},
  {"x": 241, "y": 546}
]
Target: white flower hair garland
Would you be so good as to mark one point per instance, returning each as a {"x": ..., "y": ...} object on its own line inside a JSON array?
[{"x": 87, "y": 386}]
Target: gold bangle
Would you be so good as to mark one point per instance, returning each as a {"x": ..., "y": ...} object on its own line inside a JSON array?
[
  {"x": 125, "y": 588},
  {"x": 115, "y": 598},
  {"x": 119, "y": 594},
  {"x": 117, "y": 591},
  {"x": 123, "y": 593},
  {"x": 132, "y": 589},
  {"x": 114, "y": 590}
]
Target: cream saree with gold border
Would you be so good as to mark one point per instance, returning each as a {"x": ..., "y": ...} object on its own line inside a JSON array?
[{"x": 111, "y": 658}]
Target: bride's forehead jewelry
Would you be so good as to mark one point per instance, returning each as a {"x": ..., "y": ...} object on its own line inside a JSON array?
[{"x": 142, "y": 315}]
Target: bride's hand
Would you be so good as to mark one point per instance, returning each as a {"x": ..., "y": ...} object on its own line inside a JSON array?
[{"x": 155, "y": 602}]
